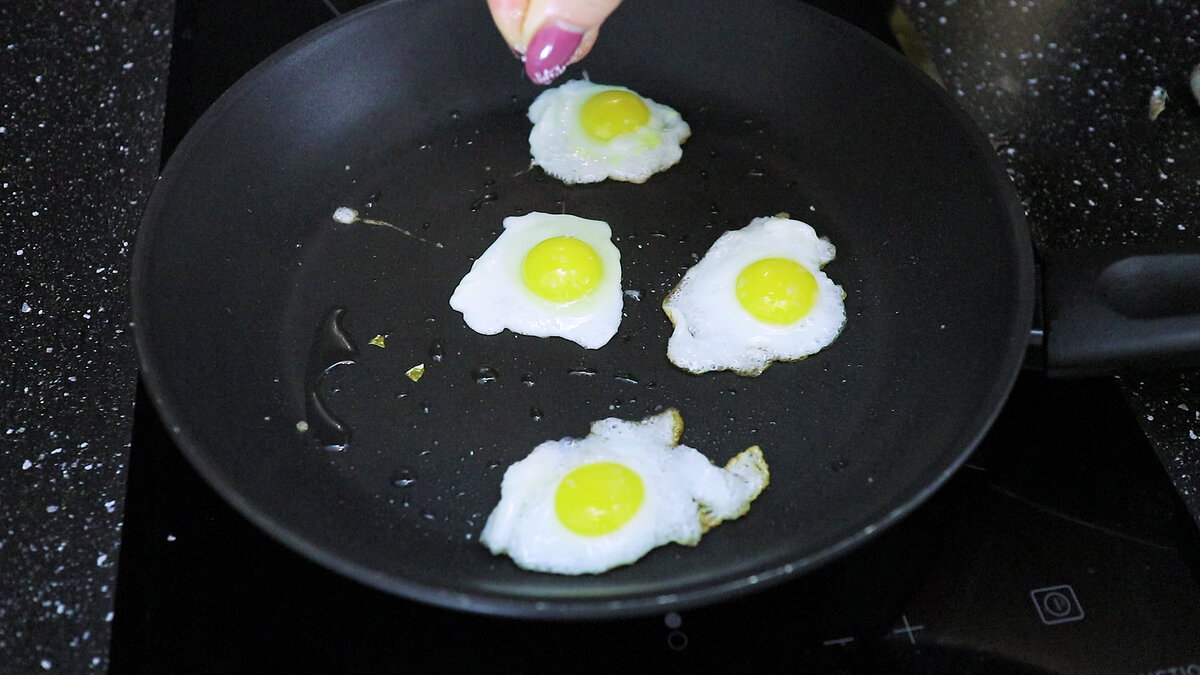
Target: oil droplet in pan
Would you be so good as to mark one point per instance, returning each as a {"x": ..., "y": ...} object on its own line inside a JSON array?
[
  {"x": 483, "y": 199},
  {"x": 404, "y": 478},
  {"x": 331, "y": 348},
  {"x": 484, "y": 375}
]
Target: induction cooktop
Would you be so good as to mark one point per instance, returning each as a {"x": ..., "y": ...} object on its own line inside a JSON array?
[{"x": 1059, "y": 547}]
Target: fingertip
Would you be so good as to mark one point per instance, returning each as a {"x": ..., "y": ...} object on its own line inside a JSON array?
[
  {"x": 509, "y": 17},
  {"x": 553, "y": 47}
]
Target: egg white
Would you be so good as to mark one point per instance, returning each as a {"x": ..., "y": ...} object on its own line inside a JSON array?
[
  {"x": 712, "y": 329},
  {"x": 493, "y": 296},
  {"x": 685, "y": 496},
  {"x": 564, "y": 149}
]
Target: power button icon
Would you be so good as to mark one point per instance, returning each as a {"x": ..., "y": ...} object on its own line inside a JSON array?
[{"x": 1056, "y": 604}]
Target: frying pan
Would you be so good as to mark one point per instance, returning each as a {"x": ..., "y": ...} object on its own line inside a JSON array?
[{"x": 255, "y": 310}]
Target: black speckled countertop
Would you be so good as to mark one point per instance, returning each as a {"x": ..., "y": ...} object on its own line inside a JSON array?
[
  {"x": 1063, "y": 90},
  {"x": 1061, "y": 87},
  {"x": 80, "y": 128}
]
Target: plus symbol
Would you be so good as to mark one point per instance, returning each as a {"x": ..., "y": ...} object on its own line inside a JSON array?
[{"x": 908, "y": 629}]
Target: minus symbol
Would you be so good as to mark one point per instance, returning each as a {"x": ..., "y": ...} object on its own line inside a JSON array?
[{"x": 839, "y": 641}]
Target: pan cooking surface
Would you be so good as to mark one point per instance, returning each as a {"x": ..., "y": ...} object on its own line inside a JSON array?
[{"x": 240, "y": 267}]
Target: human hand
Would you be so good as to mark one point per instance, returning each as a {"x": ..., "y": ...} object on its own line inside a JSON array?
[{"x": 550, "y": 34}]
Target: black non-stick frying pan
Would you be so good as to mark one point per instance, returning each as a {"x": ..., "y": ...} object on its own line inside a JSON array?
[{"x": 247, "y": 293}]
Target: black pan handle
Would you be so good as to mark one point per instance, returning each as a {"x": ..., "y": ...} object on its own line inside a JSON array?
[{"x": 1114, "y": 309}]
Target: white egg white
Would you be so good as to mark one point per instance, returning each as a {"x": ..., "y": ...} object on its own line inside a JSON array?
[
  {"x": 564, "y": 149},
  {"x": 493, "y": 296},
  {"x": 712, "y": 329},
  {"x": 685, "y": 496}
]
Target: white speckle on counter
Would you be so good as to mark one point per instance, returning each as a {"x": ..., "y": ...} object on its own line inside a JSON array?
[{"x": 101, "y": 559}]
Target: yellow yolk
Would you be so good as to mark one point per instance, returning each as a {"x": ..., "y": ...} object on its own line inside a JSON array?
[
  {"x": 777, "y": 290},
  {"x": 598, "y": 498},
  {"x": 613, "y": 112},
  {"x": 561, "y": 269}
]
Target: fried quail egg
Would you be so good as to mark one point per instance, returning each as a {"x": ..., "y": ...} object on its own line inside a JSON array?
[
  {"x": 585, "y": 132},
  {"x": 584, "y": 506},
  {"x": 546, "y": 275},
  {"x": 759, "y": 295}
]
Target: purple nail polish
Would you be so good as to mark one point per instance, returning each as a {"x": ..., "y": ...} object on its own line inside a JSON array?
[{"x": 550, "y": 51}]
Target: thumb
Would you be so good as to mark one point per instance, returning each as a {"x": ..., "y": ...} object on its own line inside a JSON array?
[{"x": 509, "y": 16}]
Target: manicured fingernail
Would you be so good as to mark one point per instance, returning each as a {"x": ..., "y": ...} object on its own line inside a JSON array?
[{"x": 550, "y": 51}]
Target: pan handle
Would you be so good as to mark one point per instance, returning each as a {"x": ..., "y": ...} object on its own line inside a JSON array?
[{"x": 1116, "y": 309}]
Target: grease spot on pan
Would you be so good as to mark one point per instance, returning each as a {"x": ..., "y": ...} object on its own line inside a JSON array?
[
  {"x": 331, "y": 348},
  {"x": 403, "y": 478},
  {"x": 437, "y": 352},
  {"x": 485, "y": 375}
]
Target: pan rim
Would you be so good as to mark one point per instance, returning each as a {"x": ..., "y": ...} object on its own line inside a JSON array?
[{"x": 522, "y": 607}]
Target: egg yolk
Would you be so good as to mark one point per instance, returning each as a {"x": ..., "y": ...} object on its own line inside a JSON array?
[
  {"x": 777, "y": 290},
  {"x": 598, "y": 498},
  {"x": 561, "y": 269},
  {"x": 613, "y": 112}
]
